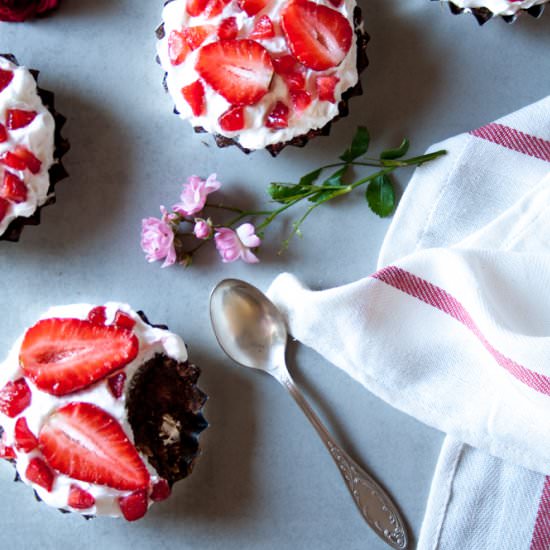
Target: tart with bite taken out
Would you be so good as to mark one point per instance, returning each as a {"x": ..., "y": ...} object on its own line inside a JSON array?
[
  {"x": 100, "y": 411},
  {"x": 262, "y": 73},
  {"x": 31, "y": 148},
  {"x": 484, "y": 10}
]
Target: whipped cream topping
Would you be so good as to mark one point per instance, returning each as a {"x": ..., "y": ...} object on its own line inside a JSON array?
[
  {"x": 152, "y": 341},
  {"x": 37, "y": 137},
  {"x": 499, "y": 7},
  {"x": 255, "y": 135}
]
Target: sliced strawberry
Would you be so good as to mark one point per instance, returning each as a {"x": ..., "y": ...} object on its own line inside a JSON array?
[
  {"x": 194, "y": 95},
  {"x": 252, "y": 7},
  {"x": 116, "y": 383},
  {"x": 336, "y": 3},
  {"x": 178, "y": 49},
  {"x": 263, "y": 28},
  {"x": 239, "y": 70},
  {"x": 292, "y": 72},
  {"x": 278, "y": 117},
  {"x": 79, "y": 498},
  {"x": 325, "y": 87},
  {"x": 13, "y": 188},
  {"x": 86, "y": 443},
  {"x": 295, "y": 81},
  {"x": 4, "y": 205},
  {"x": 215, "y": 7},
  {"x": 208, "y": 8},
  {"x": 300, "y": 100},
  {"x": 161, "y": 490},
  {"x": 18, "y": 118},
  {"x": 13, "y": 161},
  {"x": 134, "y": 506},
  {"x": 25, "y": 440},
  {"x": 97, "y": 315},
  {"x": 284, "y": 64},
  {"x": 5, "y": 78},
  {"x": 16, "y": 396},
  {"x": 40, "y": 473},
  {"x": 195, "y": 7},
  {"x": 21, "y": 158},
  {"x": 6, "y": 451},
  {"x": 319, "y": 37},
  {"x": 123, "y": 320},
  {"x": 64, "y": 355},
  {"x": 228, "y": 29},
  {"x": 3, "y": 133},
  {"x": 195, "y": 36},
  {"x": 33, "y": 164},
  {"x": 233, "y": 119}
]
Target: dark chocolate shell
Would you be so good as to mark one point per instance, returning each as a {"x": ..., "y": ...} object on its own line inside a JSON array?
[
  {"x": 165, "y": 413},
  {"x": 57, "y": 171},
  {"x": 483, "y": 15}
]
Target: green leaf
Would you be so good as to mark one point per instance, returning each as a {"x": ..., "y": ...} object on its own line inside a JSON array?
[
  {"x": 381, "y": 196},
  {"x": 335, "y": 180},
  {"x": 283, "y": 192},
  {"x": 391, "y": 154},
  {"x": 359, "y": 145},
  {"x": 310, "y": 178}
]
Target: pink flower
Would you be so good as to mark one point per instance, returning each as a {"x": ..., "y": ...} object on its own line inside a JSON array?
[
  {"x": 193, "y": 196},
  {"x": 157, "y": 241},
  {"x": 19, "y": 10},
  {"x": 233, "y": 245},
  {"x": 202, "y": 229}
]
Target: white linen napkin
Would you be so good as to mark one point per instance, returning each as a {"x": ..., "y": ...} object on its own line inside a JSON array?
[{"x": 454, "y": 328}]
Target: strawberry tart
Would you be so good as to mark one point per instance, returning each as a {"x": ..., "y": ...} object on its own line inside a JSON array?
[
  {"x": 31, "y": 148},
  {"x": 100, "y": 411},
  {"x": 262, "y": 73},
  {"x": 483, "y": 10}
]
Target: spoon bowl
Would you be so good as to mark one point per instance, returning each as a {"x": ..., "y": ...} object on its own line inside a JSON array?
[
  {"x": 248, "y": 327},
  {"x": 252, "y": 332}
]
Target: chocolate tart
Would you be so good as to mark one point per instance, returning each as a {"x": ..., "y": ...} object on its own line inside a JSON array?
[
  {"x": 361, "y": 38},
  {"x": 163, "y": 407},
  {"x": 57, "y": 171},
  {"x": 483, "y": 15}
]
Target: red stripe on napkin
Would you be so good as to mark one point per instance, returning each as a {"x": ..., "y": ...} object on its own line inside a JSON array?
[
  {"x": 437, "y": 297},
  {"x": 541, "y": 532},
  {"x": 514, "y": 139}
]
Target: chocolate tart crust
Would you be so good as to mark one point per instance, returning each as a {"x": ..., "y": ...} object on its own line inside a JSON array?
[
  {"x": 164, "y": 411},
  {"x": 483, "y": 15},
  {"x": 57, "y": 171}
]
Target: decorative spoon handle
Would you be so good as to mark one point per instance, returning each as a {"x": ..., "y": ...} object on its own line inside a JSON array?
[{"x": 372, "y": 500}]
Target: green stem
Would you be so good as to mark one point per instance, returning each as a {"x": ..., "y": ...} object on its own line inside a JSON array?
[
  {"x": 372, "y": 177},
  {"x": 275, "y": 213},
  {"x": 223, "y": 207},
  {"x": 297, "y": 224},
  {"x": 381, "y": 163}
]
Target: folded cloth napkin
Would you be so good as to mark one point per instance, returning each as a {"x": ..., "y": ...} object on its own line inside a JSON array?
[{"x": 454, "y": 329}]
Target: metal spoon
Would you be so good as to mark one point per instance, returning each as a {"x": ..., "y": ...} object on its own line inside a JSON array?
[{"x": 252, "y": 332}]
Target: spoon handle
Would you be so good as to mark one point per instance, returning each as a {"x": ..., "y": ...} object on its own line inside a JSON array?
[{"x": 372, "y": 500}]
